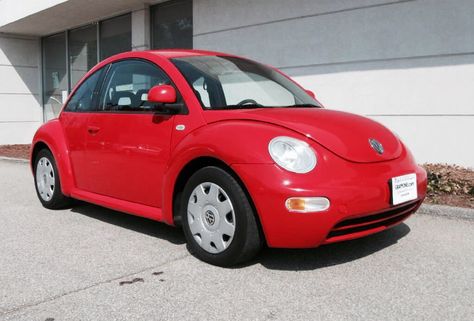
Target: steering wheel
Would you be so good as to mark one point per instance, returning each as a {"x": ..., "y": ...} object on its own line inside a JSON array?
[{"x": 248, "y": 102}]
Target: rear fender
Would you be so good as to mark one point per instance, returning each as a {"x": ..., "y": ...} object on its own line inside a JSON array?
[{"x": 51, "y": 134}]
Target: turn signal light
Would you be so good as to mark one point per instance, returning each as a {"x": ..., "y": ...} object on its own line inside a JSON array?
[{"x": 307, "y": 204}]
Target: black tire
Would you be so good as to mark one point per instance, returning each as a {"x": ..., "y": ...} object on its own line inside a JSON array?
[
  {"x": 55, "y": 200},
  {"x": 246, "y": 241}
]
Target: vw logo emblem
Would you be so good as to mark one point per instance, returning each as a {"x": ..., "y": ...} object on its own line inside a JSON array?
[
  {"x": 376, "y": 145},
  {"x": 210, "y": 217}
]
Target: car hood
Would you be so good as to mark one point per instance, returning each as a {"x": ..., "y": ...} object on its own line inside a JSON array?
[{"x": 345, "y": 134}]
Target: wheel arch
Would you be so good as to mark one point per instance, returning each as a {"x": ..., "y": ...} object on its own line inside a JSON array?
[
  {"x": 189, "y": 169},
  {"x": 39, "y": 145},
  {"x": 222, "y": 144},
  {"x": 50, "y": 136}
]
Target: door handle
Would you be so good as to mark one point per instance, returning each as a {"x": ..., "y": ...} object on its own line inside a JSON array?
[{"x": 93, "y": 130}]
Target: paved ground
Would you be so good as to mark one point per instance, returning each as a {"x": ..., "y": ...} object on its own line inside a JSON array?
[{"x": 68, "y": 265}]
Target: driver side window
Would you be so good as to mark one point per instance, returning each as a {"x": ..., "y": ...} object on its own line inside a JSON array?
[{"x": 127, "y": 84}]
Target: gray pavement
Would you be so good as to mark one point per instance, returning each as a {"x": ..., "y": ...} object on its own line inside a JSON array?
[{"x": 69, "y": 264}]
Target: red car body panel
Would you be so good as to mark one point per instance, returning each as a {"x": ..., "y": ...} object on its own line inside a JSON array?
[
  {"x": 343, "y": 133},
  {"x": 52, "y": 135},
  {"x": 147, "y": 151},
  {"x": 354, "y": 190}
]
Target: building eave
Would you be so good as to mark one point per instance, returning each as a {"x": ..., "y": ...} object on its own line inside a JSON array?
[{"x": 40, "y": 18}]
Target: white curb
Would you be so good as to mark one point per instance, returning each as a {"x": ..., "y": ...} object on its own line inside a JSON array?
[{"x": 447, "y": 211}]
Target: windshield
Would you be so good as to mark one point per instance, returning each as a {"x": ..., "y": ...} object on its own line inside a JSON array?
[{"x": 222, "y": 82}]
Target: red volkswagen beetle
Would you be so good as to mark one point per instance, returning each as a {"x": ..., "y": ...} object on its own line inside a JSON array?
[{"x": 232, "y": 150}]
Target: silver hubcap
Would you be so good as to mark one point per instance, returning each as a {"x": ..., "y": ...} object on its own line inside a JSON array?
[
  {"x": 45, "y": 178},
  {"x": 211, "y": 217}
]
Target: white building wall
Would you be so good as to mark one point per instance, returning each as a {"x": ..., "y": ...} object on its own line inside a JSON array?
[
  {"x": 20, "y": 108},
  {"x": 408, "y": 64}
]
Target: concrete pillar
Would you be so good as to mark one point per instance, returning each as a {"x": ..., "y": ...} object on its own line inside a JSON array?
[
  {"x": 20, "y": 92},
  {"x": 141, "y": 39}
]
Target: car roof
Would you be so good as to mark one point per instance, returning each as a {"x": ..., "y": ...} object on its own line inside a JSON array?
[
  {"x": 175, "y": 53},
  {"x": 162, "y": 53}
]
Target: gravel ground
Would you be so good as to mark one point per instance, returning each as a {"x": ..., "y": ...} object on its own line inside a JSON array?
[{"x": 90, "y": 263}]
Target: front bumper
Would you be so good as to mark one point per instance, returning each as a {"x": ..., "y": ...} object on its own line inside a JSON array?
[{"x": 359, "y": 194}]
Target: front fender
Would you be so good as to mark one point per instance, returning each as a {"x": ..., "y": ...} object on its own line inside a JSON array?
[
  {"x": 232, "y": 142},
  {"x": 52, "y": 135}
]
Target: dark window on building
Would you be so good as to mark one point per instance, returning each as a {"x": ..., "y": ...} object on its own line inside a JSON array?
[
  {"x": 172, "y": 24},
  {"x": 69, "y": 55},
  {"x": 82, "y": 44},
  {"x": 55, "y": 82},
  {"x": 115, "y": 36}
]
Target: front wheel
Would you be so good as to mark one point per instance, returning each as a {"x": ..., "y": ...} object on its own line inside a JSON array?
[
  {"x": 47, "y": 183},
  {"x": 219, "y": 223}
]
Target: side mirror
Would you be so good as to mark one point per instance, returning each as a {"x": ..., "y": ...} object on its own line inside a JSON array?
[
  {"x": 309, "y": 92},
  {"x": 164, "y": 96}
]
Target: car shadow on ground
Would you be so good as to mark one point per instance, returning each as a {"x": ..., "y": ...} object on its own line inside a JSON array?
[
  {"x": 138, "y": 224},
  {"x": 331, "y": 254},
  {"x": 274, "y": 259}
]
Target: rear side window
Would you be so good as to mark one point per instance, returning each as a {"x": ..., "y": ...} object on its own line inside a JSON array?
[
  {"x": 84, "y": 97},
  {"x": 127, "y": 84}
]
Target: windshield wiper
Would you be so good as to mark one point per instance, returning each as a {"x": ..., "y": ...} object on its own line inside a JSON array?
[
  {"x": 302, "y": 105},
  {"x": 252, "y": 106},
  {"x": 246, "y": 106}
]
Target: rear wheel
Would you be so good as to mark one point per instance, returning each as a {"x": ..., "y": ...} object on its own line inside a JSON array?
[
  {"x": 219, "y": 222},
  {"x": 47, "y": 182}
]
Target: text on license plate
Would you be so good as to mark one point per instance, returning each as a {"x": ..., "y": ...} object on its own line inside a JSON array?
[{"x": 404, "y": 188}]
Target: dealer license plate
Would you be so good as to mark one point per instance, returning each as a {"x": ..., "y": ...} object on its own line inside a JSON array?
[{"x": 404, "y": 188}]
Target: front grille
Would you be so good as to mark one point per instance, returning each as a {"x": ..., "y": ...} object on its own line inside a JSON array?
[{"x": 374, "y": 221}]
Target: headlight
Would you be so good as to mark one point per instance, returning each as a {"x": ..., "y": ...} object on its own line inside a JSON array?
[{"x": 292, "y": 154}]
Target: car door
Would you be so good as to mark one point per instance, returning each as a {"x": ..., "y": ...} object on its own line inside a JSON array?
[
  {"x": 128, "y": 144},
  {"x": 75, "y": 119}
]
